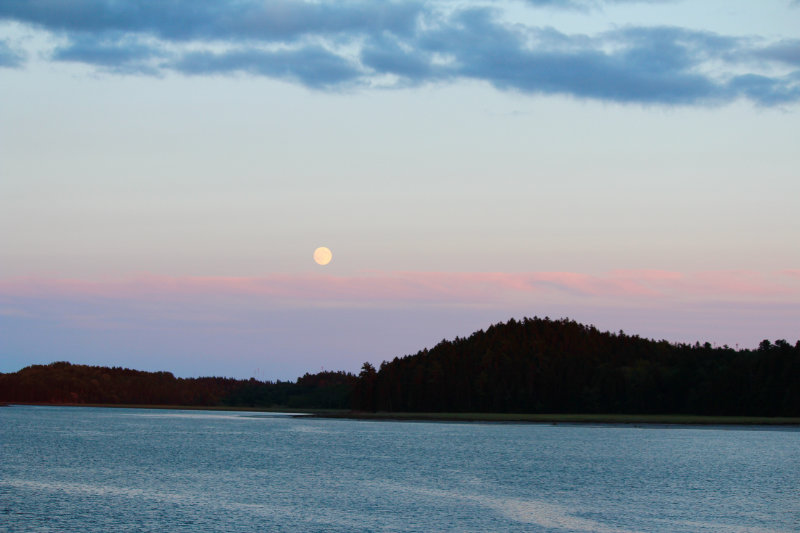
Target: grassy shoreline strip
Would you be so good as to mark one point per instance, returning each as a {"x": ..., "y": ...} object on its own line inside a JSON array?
[{"x": 540, "y": 418}]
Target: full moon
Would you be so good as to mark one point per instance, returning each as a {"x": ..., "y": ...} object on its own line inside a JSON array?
[{"x": 322, "y": 255}]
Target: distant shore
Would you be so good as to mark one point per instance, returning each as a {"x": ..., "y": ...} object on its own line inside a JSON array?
[
  {"x": 565, "y": 418},
  {"x": 532, "y": 418}
]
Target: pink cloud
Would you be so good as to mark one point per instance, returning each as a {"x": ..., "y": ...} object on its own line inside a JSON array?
[{"x": 405, "y": 287}]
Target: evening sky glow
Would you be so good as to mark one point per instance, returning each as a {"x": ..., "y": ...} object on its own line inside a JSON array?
[{"x": 168, "y": 168}]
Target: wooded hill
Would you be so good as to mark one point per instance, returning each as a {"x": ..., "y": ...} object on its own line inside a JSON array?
[
  {"x": 63, "y": 382},
  {"x": 523, "y": 366},
  {"x": 561, "y": 366}
]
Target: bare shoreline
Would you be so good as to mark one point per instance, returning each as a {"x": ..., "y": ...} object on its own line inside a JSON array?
[{"x": 532, "y": 418}]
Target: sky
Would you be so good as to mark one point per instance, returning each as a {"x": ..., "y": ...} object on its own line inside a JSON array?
[{"x": 167, "y": 169}]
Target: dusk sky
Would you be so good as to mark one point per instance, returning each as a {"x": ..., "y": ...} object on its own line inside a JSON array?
[{"x": 167, "y": 169}]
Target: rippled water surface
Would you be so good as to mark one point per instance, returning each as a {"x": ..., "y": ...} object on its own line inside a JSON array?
[{"x": 92, "y": 469}]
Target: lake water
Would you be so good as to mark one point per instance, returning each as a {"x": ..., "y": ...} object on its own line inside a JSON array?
[{"x": 93, "y": 469}]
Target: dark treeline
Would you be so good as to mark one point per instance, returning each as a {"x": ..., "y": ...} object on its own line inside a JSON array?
[
  {"x": 80, "y": 384},
  {"x": 528, "y": 366},
  {"x": 560, "y": 366}
]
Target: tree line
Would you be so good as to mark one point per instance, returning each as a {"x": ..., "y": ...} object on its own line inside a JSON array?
[
  {"x": 533, "y": 365},
  {"x": 539, "y": 365},
  {"x": 65, "y": 383}
]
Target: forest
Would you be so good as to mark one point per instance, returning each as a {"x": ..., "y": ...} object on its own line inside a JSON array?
[
  {"x": 533, "y": 365},
  {"x": 65, "y": 383},
  {"x": 541, "y": 365}
]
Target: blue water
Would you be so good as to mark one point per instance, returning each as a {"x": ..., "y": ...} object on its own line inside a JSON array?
[{"x": 92, "y": 469}]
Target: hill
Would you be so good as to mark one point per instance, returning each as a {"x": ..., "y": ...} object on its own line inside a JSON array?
[
  {"x": 533, "y": 365},
  {"x": 62, "y": 382},
  {"x": 560, "y": 366}
]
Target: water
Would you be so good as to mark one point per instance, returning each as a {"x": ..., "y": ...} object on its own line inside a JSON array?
[{"x": 87, "y": 469}]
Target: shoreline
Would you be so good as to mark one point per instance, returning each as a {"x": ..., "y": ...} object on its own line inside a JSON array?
[
  {"x": 578, "y": 419},
  {"x": 519, "y": 418}
]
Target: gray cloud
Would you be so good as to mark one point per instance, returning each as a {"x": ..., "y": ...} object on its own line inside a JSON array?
[
  {"x": 122, "y": 55},
  {"x": 786, "y": 51},
  {"x": 384, "y": 54},
  {"x": 313, "y": 66},
  {"x": 181, "y": 20},
  {"x": 8, "y": 56},
  {"x": 765, "y": 90},
  {"x": 585, "y": 5},
  {"x": 334, "y": 45}
]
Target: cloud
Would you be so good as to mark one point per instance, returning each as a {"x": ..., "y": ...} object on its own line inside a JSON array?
[
  {"x": 435, "y": 288},
  {"x": 765, "y": 90},
  {"x": 648, "y": 65},
  {"x": 203, "y": 20},
  {"x": 786, "y": 51},
  {"x": 329, "y": 45},
  {"x": 123, "y": 55},
  {"x": 585, "y": 5},
  {"x": 8, "y": 56},
  {"x": 313, "y": 66}
]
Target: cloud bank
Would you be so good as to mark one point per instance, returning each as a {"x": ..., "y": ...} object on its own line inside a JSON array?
[
  {"x": 437, "y": 288},
  {"x": 365, "y": 44}
]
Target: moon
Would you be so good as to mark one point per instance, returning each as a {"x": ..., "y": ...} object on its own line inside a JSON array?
[{"x": 322, "y": 255}]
